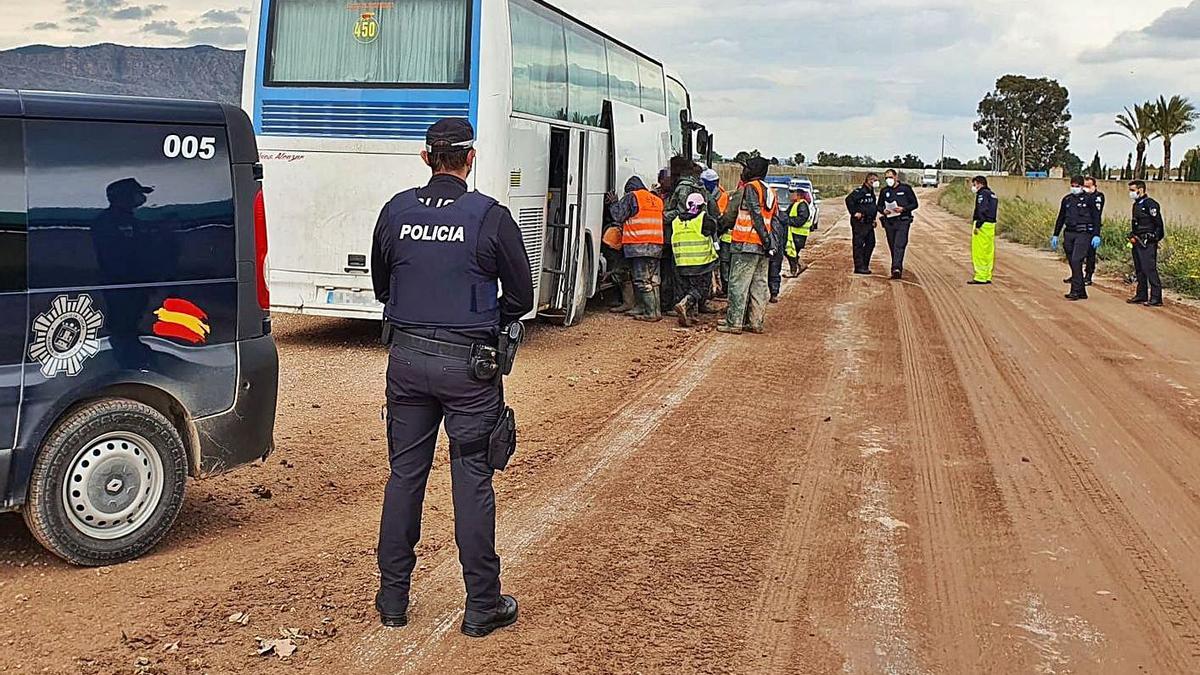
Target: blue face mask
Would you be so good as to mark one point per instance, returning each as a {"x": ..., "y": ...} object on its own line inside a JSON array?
[{"x": 710, "y": 186}]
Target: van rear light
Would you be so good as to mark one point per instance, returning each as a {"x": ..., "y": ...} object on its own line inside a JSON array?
[{"x": 260, "y": 251}]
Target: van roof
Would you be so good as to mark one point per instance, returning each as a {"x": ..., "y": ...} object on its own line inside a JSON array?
[{"x": 61, "y": 105}]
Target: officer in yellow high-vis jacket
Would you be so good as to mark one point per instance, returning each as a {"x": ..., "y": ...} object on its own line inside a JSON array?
[
  {"x": 695, "y": 256},
  {"x": 983, "y": 239},
  {"x": 798, "y": 219}
]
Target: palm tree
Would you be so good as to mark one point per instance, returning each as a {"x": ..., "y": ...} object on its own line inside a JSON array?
[
  {"x": 1138, "y": 126},
  {"x": 1170, "y": 119}
]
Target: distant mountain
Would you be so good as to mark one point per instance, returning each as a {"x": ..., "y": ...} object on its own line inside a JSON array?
[{"x": 202, "y": 72}]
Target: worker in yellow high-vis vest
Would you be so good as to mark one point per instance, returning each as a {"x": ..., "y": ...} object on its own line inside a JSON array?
[
  {"x": 695, "y": 256},
  {"x": 983, "y": 239},
  {"x": 797, "y": 217}
]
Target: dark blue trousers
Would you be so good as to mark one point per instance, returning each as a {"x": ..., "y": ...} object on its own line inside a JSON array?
[{"x": 422, "y": 391}]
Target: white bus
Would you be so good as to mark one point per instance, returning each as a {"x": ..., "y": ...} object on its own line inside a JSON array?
[{"x": 341, "y": 93}]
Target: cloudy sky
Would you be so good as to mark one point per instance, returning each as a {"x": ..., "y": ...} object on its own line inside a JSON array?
[{"x": 851, "y": 76}]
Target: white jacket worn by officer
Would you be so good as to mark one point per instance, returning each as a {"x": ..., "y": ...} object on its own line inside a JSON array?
[{"x": 440, "y": 253}]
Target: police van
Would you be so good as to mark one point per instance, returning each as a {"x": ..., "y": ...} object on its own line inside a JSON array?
[{"x": 135, "y": 339}]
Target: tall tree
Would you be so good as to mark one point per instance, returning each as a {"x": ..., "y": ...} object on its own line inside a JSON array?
[
  {"x": 1170, "y": 119},
  {"x": 1136, "y": 125},
  {"x": 1096, "y": 169},
  {"x": 1127, "y": 172},
  {"x": 1024, "y": 121}
]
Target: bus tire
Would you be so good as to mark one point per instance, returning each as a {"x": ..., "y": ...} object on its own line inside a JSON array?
[
  {"x": 108, "y": 483},
  {"x": 582, "y": 284}
]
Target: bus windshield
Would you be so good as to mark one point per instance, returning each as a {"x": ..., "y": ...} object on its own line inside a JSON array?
[{"x": 348, "y": 43}]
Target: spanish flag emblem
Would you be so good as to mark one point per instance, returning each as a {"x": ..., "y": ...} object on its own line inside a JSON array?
[{"x": 181, "y": 320}]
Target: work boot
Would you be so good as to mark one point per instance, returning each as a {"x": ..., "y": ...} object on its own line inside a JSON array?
[
  {"x": 897, "y": 274},
  {"x": 627, "y": 299},
  {"x": 794, "y": 269},
  {"x": 705, "y": 309},
  {"x": 681, "y": 310},
  {"x": 1154, "y": 303},
  {"x": 505, "y": 614},
  {"x": 639, "y": 304},
  {"x": 1072, "y": 297},
  {"x": 726, "y": 328},
  {"x": 391, "y": 614},
  {"x": 1137, "y": 300},
  {"x": 757, "y": 330},
  {"x": 649, "y": 302}
]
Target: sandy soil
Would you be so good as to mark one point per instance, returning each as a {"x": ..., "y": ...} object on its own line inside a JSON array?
[{"x": 900, "y": 477}]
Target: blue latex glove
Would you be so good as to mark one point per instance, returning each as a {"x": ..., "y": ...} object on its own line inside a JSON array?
[
  {"x": 1054, "y": 243},
  {"x": 1096, "y": 243}
]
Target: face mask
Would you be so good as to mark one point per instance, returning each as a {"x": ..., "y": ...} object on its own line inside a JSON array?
[
  {"x": 974, "y": 188},
  {"x": 1133, "y": 194},
  {"x": 875, "y": 185},
  {"x": 891, "y": 182},
  {"x": 1076, "y": 190},
  {"x": 1090, "y": 190}
]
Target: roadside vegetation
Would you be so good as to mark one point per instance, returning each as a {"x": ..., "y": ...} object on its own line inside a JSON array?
[{"x": 1032, "y": 224}]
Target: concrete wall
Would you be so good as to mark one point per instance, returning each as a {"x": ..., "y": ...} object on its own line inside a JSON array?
[{"x": 1180, "y": 201}]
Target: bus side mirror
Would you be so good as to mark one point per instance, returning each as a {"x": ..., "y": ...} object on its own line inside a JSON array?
[{"x": 704, "y": 146}]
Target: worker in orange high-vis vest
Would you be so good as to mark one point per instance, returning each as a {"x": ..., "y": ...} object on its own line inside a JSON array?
[
  {"x": 640, "y": 214},
  {"x": 752, "y": 247}
]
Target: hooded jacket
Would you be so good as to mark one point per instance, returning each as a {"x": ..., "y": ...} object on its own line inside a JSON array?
[{"x": 626, "y": 208}]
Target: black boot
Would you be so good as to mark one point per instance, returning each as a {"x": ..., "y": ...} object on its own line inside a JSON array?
[
  {"x": 505, "y": 614},
  {"x": 391, "y": 614}
]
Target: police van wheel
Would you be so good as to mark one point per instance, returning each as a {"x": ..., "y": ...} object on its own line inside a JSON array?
[{"x": 107, "y": 484}]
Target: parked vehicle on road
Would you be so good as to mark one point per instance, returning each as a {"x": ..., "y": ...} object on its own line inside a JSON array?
[
  {"x": 135, "y": 346},
  {"x": 784, "y": 185},
  {"x": 930, "y": 178}
]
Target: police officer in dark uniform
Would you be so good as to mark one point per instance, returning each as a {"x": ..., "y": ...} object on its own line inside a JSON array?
[
  {"x": 862, "y": 207},
  {"x": 897, "y": 202},
  {"x": 1079, "y": 217},
  {"x": 438, "y": 253},
  {"x": 1089, "y": 263},
  {"x": 1145, "y": 233}
]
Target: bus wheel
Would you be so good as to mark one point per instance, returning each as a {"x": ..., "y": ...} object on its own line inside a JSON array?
[
  {"x": 582, "y": 285},
  {"x": 107, "y": 484}
]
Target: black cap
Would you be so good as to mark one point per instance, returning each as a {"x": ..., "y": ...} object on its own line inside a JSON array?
[{"x": 450, "y": 133}]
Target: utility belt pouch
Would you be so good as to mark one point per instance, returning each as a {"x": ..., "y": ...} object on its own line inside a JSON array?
[
  {"x": 510, "y": 341},
  {"x": 502, "y": 442},
  {"x": 485, "y": 363}
]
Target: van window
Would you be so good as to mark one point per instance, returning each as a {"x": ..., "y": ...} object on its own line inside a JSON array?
[
  {"x": 120, "y": 203},
  {"x": 12, "y": 207}
]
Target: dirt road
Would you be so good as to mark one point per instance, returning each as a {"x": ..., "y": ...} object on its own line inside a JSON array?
[{"x": 900, "y": 477}]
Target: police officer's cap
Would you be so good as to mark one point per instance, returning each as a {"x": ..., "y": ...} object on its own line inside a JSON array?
[{"x": 450, "y": 134}]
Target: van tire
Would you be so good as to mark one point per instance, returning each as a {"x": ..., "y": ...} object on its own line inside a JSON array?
[{"x": 130, "y": 431}]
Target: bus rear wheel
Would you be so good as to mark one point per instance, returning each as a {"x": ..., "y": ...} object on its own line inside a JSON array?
[{"x": 108, "y": 483}]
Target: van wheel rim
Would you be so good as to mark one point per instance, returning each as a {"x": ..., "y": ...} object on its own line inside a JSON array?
[{"x": 113, "y": 485}]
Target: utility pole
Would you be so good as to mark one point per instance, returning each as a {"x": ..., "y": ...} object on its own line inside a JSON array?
[
  {"x": 942, "y": 161},
  {"x": 1024, "y": 164}
]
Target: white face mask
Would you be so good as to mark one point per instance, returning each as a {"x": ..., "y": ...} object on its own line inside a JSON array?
[
  {"x": 891, "y": 182},
  {"x": 1075, "y": 189},
  {"x": 1133, "y": 194},
  {"x": 875, "y": 185},
  {"x": 1090, "y": 190},
  {"x": 974, "y": 188}
]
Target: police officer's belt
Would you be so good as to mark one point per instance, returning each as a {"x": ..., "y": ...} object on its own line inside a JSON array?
[{"x": 431, "y": 347}]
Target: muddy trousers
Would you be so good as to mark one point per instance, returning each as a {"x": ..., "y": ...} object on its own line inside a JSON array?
[
  {"x": 748, "y": 293},
  {"x": 864, "y": 245},
  {"x": 645, "y": 272},
  {"x": 422, "y": 391},
  {"x": 1145, "y": 268},
  {"x": 726, "y": 258},
  {"x": 697, "y": 287},
  {"x": 897, "y": 238},
  {"x": 983, "y": 251},
  {"x": 1076, "y": 245}
]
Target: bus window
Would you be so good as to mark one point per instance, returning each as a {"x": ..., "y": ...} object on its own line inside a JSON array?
[
  {"x": 539, "y": 62},
  {"x": 588, "y": 75},
  {"x": 676, "y": 101},
  {"x": 653, "y": 96},
  {"x": 623, "y": 80},
  {"x": 401, "y": 42},
  {"x": 12, "y": 209}
]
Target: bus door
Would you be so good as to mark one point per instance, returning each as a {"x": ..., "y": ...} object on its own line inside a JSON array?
[{"x": 562, "y": 265}]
